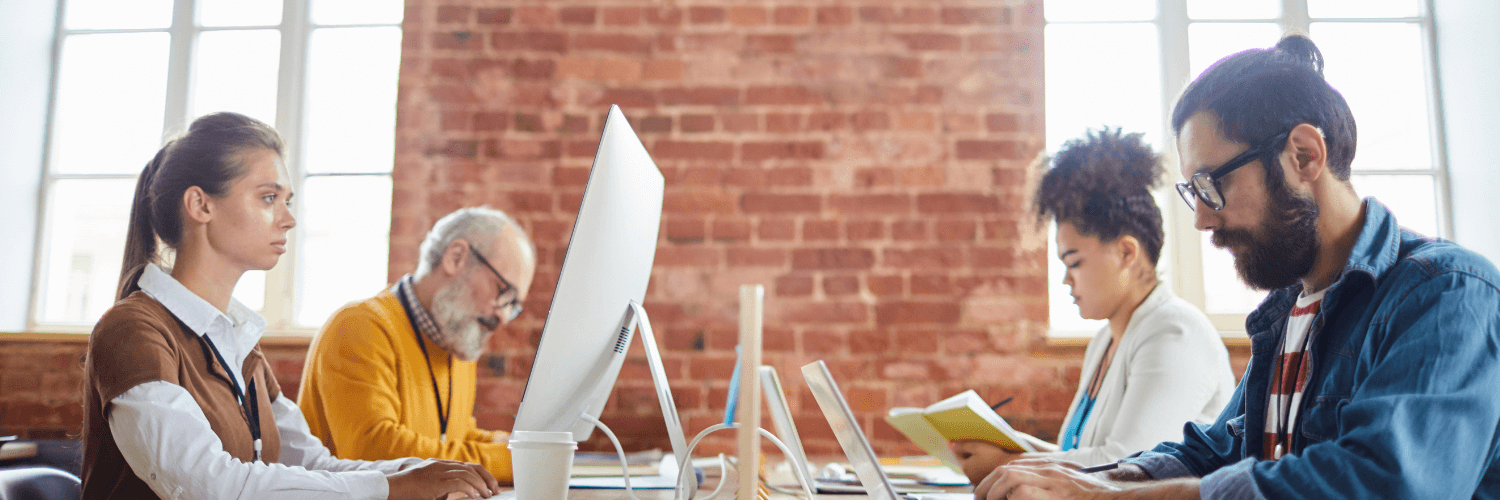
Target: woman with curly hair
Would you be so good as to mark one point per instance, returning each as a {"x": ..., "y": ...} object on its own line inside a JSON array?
[{"x": 1159, "y": 363}]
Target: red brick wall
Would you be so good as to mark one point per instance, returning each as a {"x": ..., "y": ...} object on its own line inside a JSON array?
[
  {"x": 41, "y": 384},
  {"x": 864, "y": 160},
  {"x": 40, "y": 389}
]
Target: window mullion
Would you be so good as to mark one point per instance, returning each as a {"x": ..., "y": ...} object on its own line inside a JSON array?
[
  {"x": 1438, "y": 131},
  {"x": 39, "y": 248},
  {"x": 179, "y": 67},
  {"x": 1182, "y": 239},
  {"x": 281, "y": 281},
  {"x": 1294, "y": 16}
]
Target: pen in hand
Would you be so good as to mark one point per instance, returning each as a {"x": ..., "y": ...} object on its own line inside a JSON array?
[
  {"x": 997, "y": 406},
  {"x": 1099, "y": 468}
]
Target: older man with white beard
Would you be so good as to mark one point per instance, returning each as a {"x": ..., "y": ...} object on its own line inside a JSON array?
[{"x": 394, "y": 375}]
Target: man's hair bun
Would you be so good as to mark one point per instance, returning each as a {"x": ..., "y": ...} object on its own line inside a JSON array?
[{"x": 1300, "y": 47}]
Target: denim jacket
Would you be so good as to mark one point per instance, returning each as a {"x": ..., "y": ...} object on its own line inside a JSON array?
[{"x": 1403, "y": 389}]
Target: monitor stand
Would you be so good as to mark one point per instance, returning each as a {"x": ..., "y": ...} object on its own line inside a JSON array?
[
  {"x": 635, "y": 315},
  {"x": 687, "y": 480},
  {"x": 664, "y": 396}
]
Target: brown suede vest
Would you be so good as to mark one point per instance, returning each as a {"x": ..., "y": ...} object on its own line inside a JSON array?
[{"x": 139, "y": 341}]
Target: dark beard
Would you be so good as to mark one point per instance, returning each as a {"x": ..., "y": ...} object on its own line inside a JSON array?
[{"x": 1285, "y": 246}]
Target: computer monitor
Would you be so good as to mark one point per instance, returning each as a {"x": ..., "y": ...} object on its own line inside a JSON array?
[{"x": 607, "y": 266}]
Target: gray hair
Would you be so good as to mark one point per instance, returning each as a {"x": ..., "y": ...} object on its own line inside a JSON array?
[{"x": 477, "y": 225}]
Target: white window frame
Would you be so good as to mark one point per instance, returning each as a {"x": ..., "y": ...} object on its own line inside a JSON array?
[
  {"x": 296, "y": 29},
  {"x": 1182, "y": 249}
]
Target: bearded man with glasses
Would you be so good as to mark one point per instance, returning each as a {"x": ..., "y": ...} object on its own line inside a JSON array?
[
  {"x": 1375, "y": 366},
  {"x": 394, "y": 375}
]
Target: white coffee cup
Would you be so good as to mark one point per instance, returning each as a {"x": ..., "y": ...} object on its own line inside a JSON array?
[{"x": 541, "y": 463}]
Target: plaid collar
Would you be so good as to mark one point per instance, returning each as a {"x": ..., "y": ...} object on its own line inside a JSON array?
[{"x": 406, "y": 290}]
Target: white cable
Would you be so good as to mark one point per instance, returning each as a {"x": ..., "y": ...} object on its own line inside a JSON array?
[
  {"x": 807, "y": 487},
  {"x": 723, "y": 474},
  {"x": 687, "y": 462},
  {"x": 624, "y": 466},
  {"x": 739, "y": 468}
]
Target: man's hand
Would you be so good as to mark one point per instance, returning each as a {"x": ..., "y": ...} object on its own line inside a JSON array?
[
  {"x": 442, "y": 479},
  {"x": 1045, "y": 480},
  {"x": 1041, "y": 479},
  {"x": 979, "y": 458}
]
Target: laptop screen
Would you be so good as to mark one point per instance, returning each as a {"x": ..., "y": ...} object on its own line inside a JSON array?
[{"x": 846, "y": 429}]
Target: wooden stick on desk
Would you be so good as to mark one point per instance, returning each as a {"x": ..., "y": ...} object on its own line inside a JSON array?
[
  {"x": 12, "y": 451},
  {"x": 752, "y": 299}
]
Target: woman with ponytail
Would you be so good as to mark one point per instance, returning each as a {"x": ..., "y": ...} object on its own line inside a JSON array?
[
  {"x": 179, "y": 401},
  {"x": 1159, "y": 363}
]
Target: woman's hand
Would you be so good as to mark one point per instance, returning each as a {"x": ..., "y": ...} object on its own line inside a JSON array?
[
  {"x": 978, "y": 458},
  {"x": 442, "y": 479}
]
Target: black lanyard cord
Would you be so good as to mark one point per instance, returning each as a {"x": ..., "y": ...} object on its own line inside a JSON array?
[
  {"x": 1284, "y": 405},
  {"x": 443, "y": 411},
  {"x": 249, "y": 404},
  {"x": 448, "y": 410}
]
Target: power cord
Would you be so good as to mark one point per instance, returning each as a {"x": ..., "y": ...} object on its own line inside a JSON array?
[
  {"x": 740, "y": 468},
  {"x": 687, "y": 463}
]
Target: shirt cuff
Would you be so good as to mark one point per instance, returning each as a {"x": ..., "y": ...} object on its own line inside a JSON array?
[
  {"x": 1231, "y": 482},
  {"x": 368, "y": 484},
  {"x": 1159, "y": 465},
  {"x": 402, "y": 463}
]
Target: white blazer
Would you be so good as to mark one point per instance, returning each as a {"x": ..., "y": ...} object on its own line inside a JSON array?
[{"x": 1171, "y": 368}]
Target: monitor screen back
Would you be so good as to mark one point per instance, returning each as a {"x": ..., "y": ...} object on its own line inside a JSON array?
[{"x": 607, "y": 265}]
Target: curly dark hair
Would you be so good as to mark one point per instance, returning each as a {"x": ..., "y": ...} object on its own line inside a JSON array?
[{"x": 1101, "y": 184}]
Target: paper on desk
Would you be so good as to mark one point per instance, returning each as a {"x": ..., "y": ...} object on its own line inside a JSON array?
[
  {"x": 664, "y": 479},
  {"x": 598, "y": 464},
  {"x": 612, "y": 470},
  {"x": 943, "y": 477},
  {"x": 613, "y": 458}
]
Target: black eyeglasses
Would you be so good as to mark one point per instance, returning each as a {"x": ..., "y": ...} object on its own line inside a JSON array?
[
  {"x": 1205, "y": 185},
  {"x": 514, "y": 304}
]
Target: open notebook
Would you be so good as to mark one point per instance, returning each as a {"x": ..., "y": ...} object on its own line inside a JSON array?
[{"x": 861, "y": 456}]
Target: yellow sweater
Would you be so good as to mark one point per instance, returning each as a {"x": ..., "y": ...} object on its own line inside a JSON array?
[{"x": 368, "y": 395}]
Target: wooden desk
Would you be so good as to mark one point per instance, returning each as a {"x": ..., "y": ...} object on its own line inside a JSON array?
[
  {"x": 726, "y": 493},
  {"x": 577, "y": 494}
]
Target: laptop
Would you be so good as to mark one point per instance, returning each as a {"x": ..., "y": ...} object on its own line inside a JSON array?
[
  {"x": 781, "y": 416},
  {"x": 861, "y": 456}
]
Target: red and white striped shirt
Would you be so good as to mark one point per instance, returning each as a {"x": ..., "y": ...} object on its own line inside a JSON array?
[{"x": 1290, "y": 377}]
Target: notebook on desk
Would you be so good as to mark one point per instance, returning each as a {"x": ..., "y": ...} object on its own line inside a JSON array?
[{"x": 862, "y": 458}]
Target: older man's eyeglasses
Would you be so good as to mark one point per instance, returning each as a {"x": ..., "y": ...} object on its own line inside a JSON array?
[
  {"x": 512, "y": 306},
  {"x": 1205, "y": 185}
]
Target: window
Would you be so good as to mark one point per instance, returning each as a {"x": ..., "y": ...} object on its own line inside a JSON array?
[
  {"x": 129, "y": 74},
  {"x": 1124, "y": 62}
]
